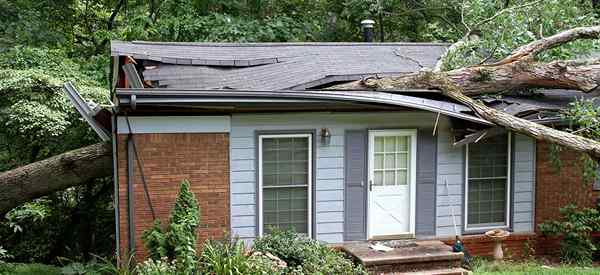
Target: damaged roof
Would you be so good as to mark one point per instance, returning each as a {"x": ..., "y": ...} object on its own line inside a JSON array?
[
  {"x": 272, "y": 66},
  {"x": 308, "y": 66}
]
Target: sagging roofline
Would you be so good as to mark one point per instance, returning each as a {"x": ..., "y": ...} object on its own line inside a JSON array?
[{"x": 139, "y": 97}]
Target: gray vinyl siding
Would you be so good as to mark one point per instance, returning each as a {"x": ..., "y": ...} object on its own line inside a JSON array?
[
  {"x": 329, "y": 185},
  {"x": 450, "y": 168},
  {"x": 524, "y": 183},
  {"x": 329, "y": 213}
]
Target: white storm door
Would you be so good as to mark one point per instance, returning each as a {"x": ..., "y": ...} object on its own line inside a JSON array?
[{"x": 392, "y": 161}]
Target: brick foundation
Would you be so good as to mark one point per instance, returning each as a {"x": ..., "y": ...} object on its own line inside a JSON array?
[
  {"x": 203, "y": 159},
  {"x": 516, "y": 246}
]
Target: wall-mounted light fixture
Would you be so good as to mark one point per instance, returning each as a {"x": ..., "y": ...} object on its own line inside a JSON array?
[{"x": 325, "y": 136}]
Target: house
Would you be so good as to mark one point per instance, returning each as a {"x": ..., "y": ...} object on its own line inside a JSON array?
[{"x": 265, "y": 144}]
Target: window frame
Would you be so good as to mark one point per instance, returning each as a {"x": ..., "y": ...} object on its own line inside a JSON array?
[
  {"x": 469, "y": 228},
  {"x": 309, "y": 180}
]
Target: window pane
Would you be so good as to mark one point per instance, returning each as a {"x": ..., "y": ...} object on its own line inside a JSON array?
[
  {"x": 487, "y": 180},
  {"x": 403, "y": 142},
  {"x": 378, "y": 144},
  {"x": 402, "y": 160},
  {"x": 390, "y": 162},
  {"x": 285, "y": 170},
  {"x": 390, "y": 144},
  {"x": 390, "y": 178},
  {"x": 378, "y": 178},
  {"x": 378, "y": 161}
]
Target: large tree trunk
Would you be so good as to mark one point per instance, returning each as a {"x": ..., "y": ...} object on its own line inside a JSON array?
[
  {"x": 56, "y": 173},
  {"x": 519, "y": 70}
]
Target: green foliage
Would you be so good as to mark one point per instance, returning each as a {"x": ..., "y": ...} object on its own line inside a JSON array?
[
  {"x": 178, "y": 242},
  {"x": 231, "y": 257},
  {"x": 575, "y": 228},
  {"x": 304, "y": 255},
  {"x": 506, "y": 32},
  {"x": 157, "y": 267},
  {"x": 585, "y": 121},
  {"x": 29, "y": 269}
]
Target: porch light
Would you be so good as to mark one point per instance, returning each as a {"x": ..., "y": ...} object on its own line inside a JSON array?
[{"x": 325, "y": 136}]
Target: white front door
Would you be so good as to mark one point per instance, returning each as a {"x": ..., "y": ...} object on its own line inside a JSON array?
[{"x": 392, "y": 173}]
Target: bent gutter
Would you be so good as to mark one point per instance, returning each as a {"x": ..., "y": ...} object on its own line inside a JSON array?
[{"x": 165, "y": 96}]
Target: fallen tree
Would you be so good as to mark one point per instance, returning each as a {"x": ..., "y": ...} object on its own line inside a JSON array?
[
  {"x": 517, "y": 71},
  {"x": 56, "y": 173}
]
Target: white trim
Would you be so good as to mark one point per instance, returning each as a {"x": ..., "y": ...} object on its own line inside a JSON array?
[
  {"x": 260, "y": 179},
  {"x": 174, "y": 124},
  {"x": 508, "y": 191},
  {"x": 412, "y": 133}
]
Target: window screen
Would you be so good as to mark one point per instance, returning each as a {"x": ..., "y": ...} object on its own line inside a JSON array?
[
  {"x": 285, "y": 182},
  {"x": 487, "y": 182}
]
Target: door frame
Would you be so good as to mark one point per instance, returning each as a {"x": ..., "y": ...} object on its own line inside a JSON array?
[{"x": 412, "y": 181}]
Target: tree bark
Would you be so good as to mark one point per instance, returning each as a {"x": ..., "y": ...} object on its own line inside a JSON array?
[{"x": 56, "y": 173}]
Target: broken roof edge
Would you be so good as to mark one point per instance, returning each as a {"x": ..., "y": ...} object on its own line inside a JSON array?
[
  {"x": 278, "y": 44},
  {"x": 435, "y": 106}
]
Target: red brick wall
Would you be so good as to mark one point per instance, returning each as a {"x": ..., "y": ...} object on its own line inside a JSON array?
[
  {"x": 557, "y": 189},
  {"x": 203, "y": 159}
]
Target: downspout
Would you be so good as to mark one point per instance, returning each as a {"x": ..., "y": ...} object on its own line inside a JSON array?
[
  {"x": 116, "y": 187},
  {"x": 130, "y": 195}
]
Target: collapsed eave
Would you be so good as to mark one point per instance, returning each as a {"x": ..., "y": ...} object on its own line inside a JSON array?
[{"x": 133, "y": 98}]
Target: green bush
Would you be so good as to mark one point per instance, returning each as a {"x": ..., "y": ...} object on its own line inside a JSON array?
[
  {"x": 178, "y": 242},
  {"x": 157, "y": 267},
  {"x": 29, "y": 269},
  {"x": 576, "y": 246},
  {"x": 304, "y": 255},
  {"x": 231, "y": 257}
]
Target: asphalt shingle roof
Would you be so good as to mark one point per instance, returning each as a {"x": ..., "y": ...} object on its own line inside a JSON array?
[{"x": 273, "y": 66}]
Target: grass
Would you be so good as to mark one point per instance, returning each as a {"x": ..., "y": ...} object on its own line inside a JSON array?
[{"x": 484, "y": 267}]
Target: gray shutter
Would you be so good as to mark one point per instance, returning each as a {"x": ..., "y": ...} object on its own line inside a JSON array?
[
  {"x": 426, "y": 179},
  {"x": 355, "y": 175}
]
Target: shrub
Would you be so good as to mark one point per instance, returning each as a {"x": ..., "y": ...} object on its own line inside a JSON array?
[
  {"x": 231, "y": 257},
  {"x": 576, "y": 246},
  {"x": 157, "y": 267},
  {"x": 178, "y": 242},
  {"x": 304, "y": 255}
]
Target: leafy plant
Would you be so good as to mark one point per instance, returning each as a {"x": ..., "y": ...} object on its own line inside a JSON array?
[
  {"x": 576, "y": 246},
  {"x": 231, "y": 257},
  {"x": 157, "y": 267},
  {"x": 304, "y": 255},
  {"x": 178, "y": 242}
]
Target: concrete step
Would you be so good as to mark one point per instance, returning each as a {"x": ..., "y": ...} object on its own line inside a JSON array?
[{"x": 416, "y": 256}]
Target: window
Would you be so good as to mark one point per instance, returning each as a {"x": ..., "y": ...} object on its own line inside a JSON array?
[
  {"x": 488, "y": 183},
  {"x": 285, "y": 182},
  {"x": 391, "y": 165}
]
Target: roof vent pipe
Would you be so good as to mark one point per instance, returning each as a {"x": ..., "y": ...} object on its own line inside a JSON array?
[{"x": 367, "y": 27}]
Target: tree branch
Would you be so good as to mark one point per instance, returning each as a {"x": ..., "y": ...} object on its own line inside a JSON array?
[{"x": 532, "y": 49}]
